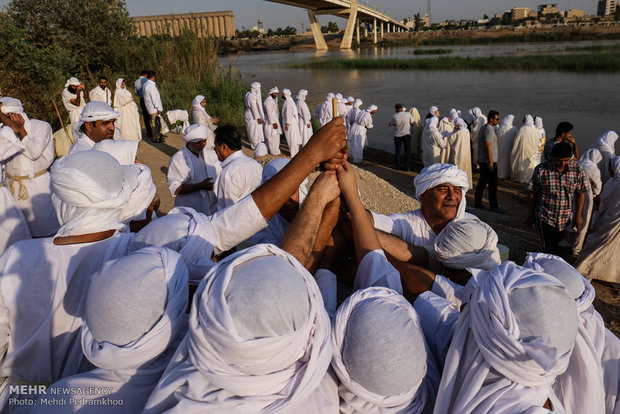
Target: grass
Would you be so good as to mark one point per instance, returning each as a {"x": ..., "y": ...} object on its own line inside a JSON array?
[
  {"x": 431, "y": 52},
  {"x": 594, "y": 48},
  {"x": 571, "y": 63}
]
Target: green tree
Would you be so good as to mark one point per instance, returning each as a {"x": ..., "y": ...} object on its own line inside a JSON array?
[{"x": 417, "y": 21}]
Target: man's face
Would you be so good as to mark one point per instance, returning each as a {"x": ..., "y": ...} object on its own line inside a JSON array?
[
  {"x": 494, "y": 121},
  {"x": 274, "y": 95},
  {"x": 203, "y": 103},
  {"x": 197, "y": 146},
  {"x": 103, "y": 83},
  {"x": 100, "y": 130},
  {"x": 560, "y": 164},
  {"x": 220, "y": 151},
  {"x": 568, "y": 134},
  {"x": 441, "y": 202}
]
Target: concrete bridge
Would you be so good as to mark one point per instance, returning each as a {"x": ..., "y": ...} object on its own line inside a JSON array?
[{"x": 352, "y": 11}]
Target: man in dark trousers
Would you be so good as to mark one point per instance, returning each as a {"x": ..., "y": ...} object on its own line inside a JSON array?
[{"x": 487, "y": 161}]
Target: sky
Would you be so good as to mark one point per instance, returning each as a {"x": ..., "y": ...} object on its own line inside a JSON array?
[{"x": 247, "y": 12}]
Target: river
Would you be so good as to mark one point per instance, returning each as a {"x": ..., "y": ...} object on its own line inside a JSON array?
[{"x": 588, "y": 100}]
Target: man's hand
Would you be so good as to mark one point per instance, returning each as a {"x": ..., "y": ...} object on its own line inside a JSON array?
[
  {"x": 309, "y": 125},
  {"x": 328, "y": 141},
  {"x": 325, "y": 188},
  {"x": 334, "y": 162},
  {"x": 207, "y": 184},
  {"x": 347, "y": 180},
  {"x": 153, "y": 206},
  {"x": 15, "y": 122},
  {"x": 259, "y": 120},
  {"x": 286, "y": 127},
  {"x": 275, "y": 125},
  {"x": 490, "y": 167},
  {"x": 215, "y": 120},
  {"x": 578, "y": 222}
]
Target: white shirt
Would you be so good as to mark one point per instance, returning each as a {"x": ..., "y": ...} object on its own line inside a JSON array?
[
  {"x": 74, "y": 110},
  {"x": 83, "y": 143},
  {"x": 138, "y": 84},
  {"x": 101, "y": 95},
  {"x": 152, "y": 100},
  {"x": 240, "y": 176}
]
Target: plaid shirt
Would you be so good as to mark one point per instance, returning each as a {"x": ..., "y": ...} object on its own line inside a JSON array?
[{"x": 554, "y": 192}]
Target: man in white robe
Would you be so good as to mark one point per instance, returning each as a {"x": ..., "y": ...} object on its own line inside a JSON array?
[
  {"x": 479, "y": 120},
  {"x": 433, "y": 142},
  {"x": 25, "y": 173},
  {"x": 41, "y": 301},
  {"x": 350, "y": 118},
  {"x": 460, "y": 145},
  {"x": 341, "y": 105},
  {"x": 359, "y": 133},
  {"x": 101, "y": 93},
  {"x": 254, "y": 115},
  {"x": 506, "y": 135},
  {"x": 240, "y": 174},
  {"x": 325, "y": 112},
  {"x": 129, "y": 120},
  {"x": 273, "y": 130},
  {"x": 73, "y": 99},
  {"x": 416, "y": 133},
  {"x": 348, "y": 106},
  {"x": 290, "y": 123},
  {"x": 606, "y": 145},
  {"x": 192, "y": 172},
  {"x": 305, "y": 126},
  {"x": 96, "y": 123},
  {"x": 523, "y": 157},
  {"x": 134, "y": 321}
]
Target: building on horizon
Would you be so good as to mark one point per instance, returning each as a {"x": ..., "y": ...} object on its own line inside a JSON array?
[
  {"x": 575, "y": 14},
  {"x": 520, "y": 13},
  {"x": 216, "y": 24},
  {"x": 551, "y": 8},
  {"x": 606, "y": 8}
]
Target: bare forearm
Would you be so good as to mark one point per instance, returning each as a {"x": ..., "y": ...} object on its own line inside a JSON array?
[
  {"x": 580, "y": 199},
  {"x": 300, "y": 237},
  {"x": 189, "y": 188},
  {"x": 401, "y": 250},
  {"x": 415, "y": 280},
  {"x": 326, "y": 227},
  {"x": 364, "y": 235}
]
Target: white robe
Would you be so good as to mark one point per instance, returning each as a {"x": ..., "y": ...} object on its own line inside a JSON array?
[
  {"x": 359, "y": 139},
  {"x": 13, "y": 226},
  {"x": 416, "y": 133},
  {"x": 254, "y": 112},
  {"x": 350, "y": 119},
  {"x": 101, "y": 95},
  {"x": 524, "y": 154},
  {"x": 460, "y": 154},
  {"x": 35, "y": 202},
  {"x": 290, "y": 124},
  {"x": 324, "y": 113},
  {"x": 240, "y": 175},
  {"x": 186, "y": 168},
  {"x": 200, "y": 116},
  {"x": 74, "y": 110},
  {"x": 476, "y": 126},
  {"x": 604, "y": 164},
  {"x": 305, "y": 127},
  {"x": 445, "y": 128},
  {"x": 272, "y": 116},
  {"x": 505, "y": 140},
  {"x": 129, "y": 121},
  {"x": 432, "y": 145},
  {"x": 82, "y": 143},
  {"x": 42, "y": 307}
]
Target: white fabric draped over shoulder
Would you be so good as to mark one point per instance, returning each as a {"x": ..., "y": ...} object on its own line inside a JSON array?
[
  {"x": 432, "y": 142},
  {"x": 523, "y": 155},
  {"x": 505, "y": 139},
  {"x": 129, "y": 120},
  {"x": 222, "y": 366},
  {"x": 460, "y": 145},
  {"x": 305, "y": 127},
  {"x": 380, "y": 355},
  {"x": 606, "y": 145},
  {"x": 254, "y": 112},
  {"x": 290, "y": 123},
  {"x": 511, "y": 342}
]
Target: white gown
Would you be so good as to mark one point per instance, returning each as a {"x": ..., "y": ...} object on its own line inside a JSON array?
[
  {"x": 240, "y": 176},
  {"x": 272, "y": 116},
  {"x": 433, "y": 144},
  {"x": 290, "y": 117},
  {"x": 460, "y": 155},
  {"x": 505, "y": 140},
  {"x": 304, "y": 119},
  {"x": 129, "y": 121},
  {"x": 358, "y": 137},
  {"x": 253, "y": 112},
  {"x": 524, "y": 153}
]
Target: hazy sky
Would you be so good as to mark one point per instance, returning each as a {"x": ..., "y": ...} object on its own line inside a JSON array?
[{"x": 247, "y": 12}]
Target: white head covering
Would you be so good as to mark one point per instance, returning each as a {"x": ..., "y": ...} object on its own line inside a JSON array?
[
  {"x": 302, "y": 94},
  {"x": 72, "y": 82},
  {"x": 330, "y": 96},
  {"x": 380, "y": 355},
  {"x": 529, "y": 121},
  {"x": 14, "y": 106},
  {"x": 195, "y": 132},
  {"x": 608, "y": 140},
  {"x": 94, "y": 111},
  {"x": 135, "y": 308},
  {"x": 274, "y": 90},
  {"x": 339, "y": 97},
  {"x": 476, "y": 111},
  {"x": 255, "y": 86},
  {"x": 432, "y": 122},
  {"x": 615, "y": 167},
  {"x": 437, "y": 174},
  {"x": 358, "y": 103},
  {"x": 470, "y": 116},
  {"x": 589, "y": 161},
  {"x": 286, "y": 92},
  {"x": 260, "y": 150},
  {"x": 432, "y": 110},
  {"x": 197, "y": 101},
  {"x": 350, "y": 99},
  {"x": 461, "y": 124},
  {"x": 508, "y": 119},
  {"x": 258, "y": 341},
  {"x": 581, "y": 387},
  {"x": 372, "y": 108},
  {"x": 90, "y": 189},
  {"x": 124, "y": 151},
  {"x": 453, "y": 114},
  {"x": 275, "y": 166},
  {"x": 119, "y": 83},
  {"x": 141, "y": 196},
  {"x": 467, "y": 243},
  {"x": 538, "y": 122},
  {"x": 510, "y": 343}
]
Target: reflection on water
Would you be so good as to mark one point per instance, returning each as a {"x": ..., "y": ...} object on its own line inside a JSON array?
[{"x": 587, "y": 100}]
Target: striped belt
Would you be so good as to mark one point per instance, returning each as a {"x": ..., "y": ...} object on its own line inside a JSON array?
[{"x": 23, "y": 191}]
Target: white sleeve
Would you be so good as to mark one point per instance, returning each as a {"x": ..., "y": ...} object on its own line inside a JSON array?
[
  {"x": 368, "y": 121},
  {"x": 254, "y": 106},
  {"x": 38, "y": 140},
  {"x": 9, "y": 143},
  {"x": 178, "y": 173},
  {"x": 328, "y": 285},
  {"x": 382, "y": 222},
  {"x": 375, "y": 270},
  {"x": 237, "y": 223},
  {"x": 438, "y": 317},
  {"x": 447, "y": 289}
]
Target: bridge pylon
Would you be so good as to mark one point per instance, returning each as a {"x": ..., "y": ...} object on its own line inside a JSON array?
[
  {"x": 347, "y": 38},
  {"x": 319, "y": 40}
]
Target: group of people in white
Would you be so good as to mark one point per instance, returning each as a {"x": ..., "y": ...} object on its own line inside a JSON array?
[{"x": 94, "y": 288}]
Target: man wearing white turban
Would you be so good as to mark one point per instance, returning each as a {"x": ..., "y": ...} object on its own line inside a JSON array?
[
  {"x": 305, "y": 127},
  {"x": 590, "y": 384},
  {"x": 290, "y": 123},
  {"x": 599, "y": 257},
  {"x": 25, "y": 173},
  {"x": 350, "y": 117},
  {"x": 358, "y": 133},
  {"x": 325, "y": 112},
  {"x": 510, "y": 344},
  {"x": 272, "y": 127},
  {"x": 254, "y": 115},
  {"x": 240, "y": 174},
  {"x": 506, "y": 135},
  {"x": 258, "y": 341},
  {"x": 606, "y": 145},
  {"x": 200, "y": 116},
  {"x": 96, "y": 123},
  {"x": 73, "y": 99},
  {"x": 348, "y": 105},
  {"x": 134, "y": 321},
  {"x": 433, "y": 142},
  {"x": 193, "y": 170},
  {"x": 129, "y": 120},
  {"x": 41, "y": 300},
  {"x": 101, "y": 93},
  {"x": 460, "y": 148},
  {"x": 523, "y": 156}
]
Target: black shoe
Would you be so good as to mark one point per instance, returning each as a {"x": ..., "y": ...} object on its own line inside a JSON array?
[
  {"x": 158, "y": 140},
  {"x": 497, "y": 210}
]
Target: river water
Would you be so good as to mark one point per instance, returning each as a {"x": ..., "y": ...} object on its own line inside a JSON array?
[{"x": 588, "y": 100}]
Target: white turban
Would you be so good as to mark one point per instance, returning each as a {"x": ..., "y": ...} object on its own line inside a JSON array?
[
  {"x": 608, "y": 139},
  {"x": 511, "y": 342},
  {"x": 255, "y": 86},
  {"x": 124, "y": 151},
  {"x": 11, "y": 106},
  {"x": 142, "y": 195},
  {"x": 286, "y": 92},
  {"x": 258, "y": 341},
  {"x": 508, "y": 119},
  {"x": 90, "y": 189},
  {"x": 432, "y": 110},
  {"x": 581, "y": 387},
  {"x": 538, "y": 122},
  {"x": 330, "y": 96},
  {"x": 453, "y": 114},
  {"x": 302, "y": 94},
  {"x": 470, "y": 116},
  {"x": 529, "y": 121},
  {"x": 196, "y": 102},
  {"x": 380, "y": 355},
  {"x": 358, "y": 103},
  {"x": 437, "y": 174},
  {"x": 275, "y": 166},
  {"x": 461, "y": 124},
  {"x": 72, "y": 82},
  {"x": 98, "y": 111},
  {"x": 467, "y": 243},
  {"x": 274, "y": 90},
  {"x": 135, "y": 309},
  {"x": 372, "y": 108},
  {"x": 350, "y": 99},
  {"x": 195, "y": 132},
  {"x": 476, "y": 111},
  {"x": 260, "y": 150}
]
